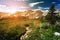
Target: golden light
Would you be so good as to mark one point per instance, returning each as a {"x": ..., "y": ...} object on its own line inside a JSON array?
[
  {"x": 12, "y": 6},
  {"x": 8, "y": 10},
  {"x": 15, "y": 15},
  {"x": 11, "y": 11}
]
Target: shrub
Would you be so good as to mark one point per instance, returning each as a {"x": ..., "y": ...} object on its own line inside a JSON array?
[{"x": 11, "y": 34}]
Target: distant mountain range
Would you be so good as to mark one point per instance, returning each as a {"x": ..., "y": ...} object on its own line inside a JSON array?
[
  {"x": 28, "y": 13},
  {"x": 31, "y": 14}
]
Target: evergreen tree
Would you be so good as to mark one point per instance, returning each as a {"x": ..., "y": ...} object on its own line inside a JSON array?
[{"x": 51, "y": 16}]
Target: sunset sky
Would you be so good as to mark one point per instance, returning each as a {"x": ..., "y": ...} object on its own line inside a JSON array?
[{"x": 15, "y": 5}]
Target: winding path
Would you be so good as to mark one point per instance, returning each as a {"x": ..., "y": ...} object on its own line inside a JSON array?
[{"x": 24, "y": 34}]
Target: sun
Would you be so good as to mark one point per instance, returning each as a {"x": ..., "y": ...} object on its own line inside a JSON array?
[{"x": 11, "y": 11}]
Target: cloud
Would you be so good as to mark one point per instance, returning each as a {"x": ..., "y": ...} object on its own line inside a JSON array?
[
  {"x": 26, "y": 0},
  {"x": 58, "y": 4},
  {"x": 5, "y": 8},
  {"x": 2, "y": 5},
  {"x": 53, "y": 2},
  {"x": 40, "y": 7},
  {"x": 19, "y": 0},
  {"x": 33, "y": 4},
  {"x": 44, "y": 8}
]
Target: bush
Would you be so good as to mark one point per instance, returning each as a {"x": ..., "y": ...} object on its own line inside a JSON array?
[
  {"x": 11, "y": 34},
  {"x": 56, "y": 28}
]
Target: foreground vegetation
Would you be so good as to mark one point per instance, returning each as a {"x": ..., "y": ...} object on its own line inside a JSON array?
[{"x": 44, "y": 31}]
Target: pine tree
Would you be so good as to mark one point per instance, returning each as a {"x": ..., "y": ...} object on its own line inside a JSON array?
[{"x": 51, "y": 16}]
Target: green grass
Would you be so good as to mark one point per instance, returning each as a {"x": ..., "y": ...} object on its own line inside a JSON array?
[{"x": 12, "y": 29}]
